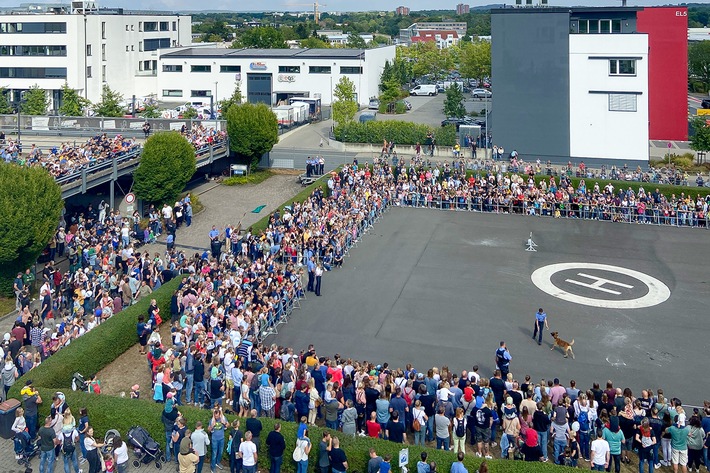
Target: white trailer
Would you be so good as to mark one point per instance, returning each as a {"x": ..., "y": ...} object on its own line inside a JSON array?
[
  {"x": 300, "y": 111},
  {"x": 284, "y": 114}
]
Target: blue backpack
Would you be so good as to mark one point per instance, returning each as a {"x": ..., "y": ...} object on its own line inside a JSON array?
[{"x": 583, "y": 420}]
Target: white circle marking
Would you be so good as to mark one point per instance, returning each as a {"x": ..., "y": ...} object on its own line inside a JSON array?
[{"x": 658, "y": 292}]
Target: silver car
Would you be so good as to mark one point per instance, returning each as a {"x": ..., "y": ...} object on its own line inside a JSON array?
[{"x": 481, "y": 93}]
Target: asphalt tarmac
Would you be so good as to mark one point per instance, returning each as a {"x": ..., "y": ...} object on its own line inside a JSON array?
[{"x": 436, "y": 288}]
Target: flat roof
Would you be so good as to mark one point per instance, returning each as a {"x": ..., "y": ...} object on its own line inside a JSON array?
[
  {"x": 570, "y": 10},
  {"x": 251, "y": 53}
]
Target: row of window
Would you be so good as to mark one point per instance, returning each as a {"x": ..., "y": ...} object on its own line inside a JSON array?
[
  {"x": 193, "y": 93},
  {"x": 33, "y": 72},
  {"x": 33, "y": 50},
  {"x": 282, "y": 69},
  {"x": 599, "y": 26},
  {"x": 33, "y": 28}
]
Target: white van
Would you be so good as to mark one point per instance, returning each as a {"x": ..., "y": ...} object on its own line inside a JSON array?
[{"x": 424, "y": 89}]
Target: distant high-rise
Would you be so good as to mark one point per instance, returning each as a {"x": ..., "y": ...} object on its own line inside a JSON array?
[
  {"x": 462, "y": 9},
  {"x": 402, "y": 11}
]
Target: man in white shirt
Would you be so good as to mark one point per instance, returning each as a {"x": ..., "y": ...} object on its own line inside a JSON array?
[
  {"x": 200, "y": 440},
  {"x": 247, "y": 452},
  {"x": 600, "y": 453}
]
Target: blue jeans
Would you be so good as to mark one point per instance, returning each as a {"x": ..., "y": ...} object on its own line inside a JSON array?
[
  {"x": 597, "y": 467},
  {"x": 199, "y": 392},
  {"x": 442, "y": 442},
  {"x": 333, "y": 424},
  {"x": 419, "y": 437},
  {"x": 217, "y": 451},
  {"x": 251, "y": 469},
  {"x": 200, "y": 464},
  {"x": 302, "y": 466},
  {"x": 276, "y": 464},
  {"x": 584, "y": 444},
  {"x": 542, "y": 441},
  {"x": 70, "y": 460},
  {"x": 189, "y": 386},
  {"x": 559, "y": 448},
  {"x": 46, "y": 461},
  {"x": 646, "y": 455},
  {"x": 168, "y": 450},
  {"x": 430, "y": 429},
  {"x": 31, "y": 422}
]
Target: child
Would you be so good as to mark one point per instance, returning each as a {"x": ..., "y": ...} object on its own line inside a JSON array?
[
  {"x": 108, "y": 462},
  {"x": 19, "y": 425},
  {"x": 385, "y": 466},
  {"x": 135, "y": 392},
  {"x": 94, "y": 385}
]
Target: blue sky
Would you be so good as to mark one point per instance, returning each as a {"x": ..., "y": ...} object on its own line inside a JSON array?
[{"x": 331, "y": 5}]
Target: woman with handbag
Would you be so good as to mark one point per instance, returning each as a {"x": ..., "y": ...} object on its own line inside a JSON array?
[
  {"x": 300, "y": 453},
  {"x": 419, "y": 423},
  {"x": 92, "y": 451}
]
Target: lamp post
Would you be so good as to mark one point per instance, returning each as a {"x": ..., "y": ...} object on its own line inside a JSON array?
[{"x": 19, "y": 116}]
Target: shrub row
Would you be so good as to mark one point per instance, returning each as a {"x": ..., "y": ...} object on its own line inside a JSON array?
[
  {"x": 95, "y": 350},
  {"x": 402, "y": 133},
  {"x": 106, "y": 412}
]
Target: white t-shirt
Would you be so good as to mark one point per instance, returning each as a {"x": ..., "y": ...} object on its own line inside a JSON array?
[
  {"x": 247, "y": 450},
  {"x": 121, "y": 454},
  {"x": 600, "y": 447}
]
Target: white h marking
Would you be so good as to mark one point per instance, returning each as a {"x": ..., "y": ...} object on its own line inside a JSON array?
[{"x": 598, "y": 283}]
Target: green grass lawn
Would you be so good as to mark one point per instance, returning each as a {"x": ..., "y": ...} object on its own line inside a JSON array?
[{"x": 7, "y": 305}]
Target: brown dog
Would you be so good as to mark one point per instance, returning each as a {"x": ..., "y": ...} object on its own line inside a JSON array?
[{"x": 565, "y": 346}]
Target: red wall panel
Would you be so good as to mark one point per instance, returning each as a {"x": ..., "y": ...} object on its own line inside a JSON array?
[{"x": 667, "y": 29}]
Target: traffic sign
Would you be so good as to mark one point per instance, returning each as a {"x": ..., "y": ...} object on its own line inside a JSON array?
[
  {"x": 130, "y": 198},
  {"x": 669, "y": 145}
]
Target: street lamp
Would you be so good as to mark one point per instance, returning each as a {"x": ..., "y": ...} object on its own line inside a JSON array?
[{"x": 19, "y": 116}]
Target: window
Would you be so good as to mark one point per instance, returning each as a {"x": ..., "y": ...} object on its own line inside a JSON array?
[
  {"x": 103, "y": 30},
  {"x": 350, "y": 70},
  {"x": 172, "y": 67},
  {"x": 229, "y": 68},
  {"x": 289, "y": 69},
  {"x": 200, "y": 93},
  {"x": 200, "y": 68},
  {"x": 126, "y": 27},
  {"x": 88, "y": 71},
  {"x": 622, "y": 67},
  {"x": 140, "y": 46},
  {"x": 174, "y": 25},
  {"x": 622, "y": 102},
  {"x": 616, "y": 26},
  {"x": 88, "y": 50},
  {"x": 599, "y": 26},
  {"x": 164, "y": 26},
  {"x": 172, "y": 93},
  {"x": 155, "y": 44},
  {"x": 140, "y": 26},
  {"x": 127, "y": 48},
  {"x": 319, "y": 69},
  {"x": 150, "y": 26},
  {"x": 605, "y": 26},
  {"x": 33, "y": 50},
  {"x": 103, "y": 52},
  {"x": 132, "y": 26},
  {"x": 33, "y": 28},
  {"x": 103, "y": 73},
  {"x": 33, "y": 72}
]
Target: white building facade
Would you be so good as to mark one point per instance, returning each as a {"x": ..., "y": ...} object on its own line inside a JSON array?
[
  {"x": 85, "y": 47},
  {"x": 270, "y": 76}
]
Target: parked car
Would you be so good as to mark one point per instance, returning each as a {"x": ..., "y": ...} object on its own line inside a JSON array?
[
  {"x": 424, "y": 89},
  {"x": 374, "y": 104},
  {"x": 705, "y": 103},
  {"x": 457, "y": 122},
  {"x": 481, "y": 93},
  {"x": 367, "y": 117}
]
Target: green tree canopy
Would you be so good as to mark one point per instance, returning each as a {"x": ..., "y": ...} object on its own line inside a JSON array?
[
  {"x": 235, "y": 99},
  {"x": 699, "y": 62},
  {"x": 73, "y": 104},
  {"x": 453, "y": 103},
  {"x": 355, "y": 41},
  {"x": 5, "y": 108},
  {"x": 35, "y": 101},
  {"x": 262, "y": 37},
  {"x": 167, "y": 164},
  {"x": 30, "y": 207},
  {"x": 344, "y": 106},
  {"x": 700, "y": 141},
  {"x": 110, "y": 103},
  {"x": 253, "y": 130},
  {"x": 313, "y": 42},
  {"x": 475, "y": 59}
]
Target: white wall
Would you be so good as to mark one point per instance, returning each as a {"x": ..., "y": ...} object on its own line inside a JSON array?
[{"x": 595, "y": 132}]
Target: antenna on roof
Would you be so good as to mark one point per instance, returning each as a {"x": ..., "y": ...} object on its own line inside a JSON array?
[{"x": 623, "y": 3}]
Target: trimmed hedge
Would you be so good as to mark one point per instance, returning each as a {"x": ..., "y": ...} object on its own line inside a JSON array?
[
  {"x": 106, "y": 412},
  {"x": 97, "y": 349},
  {"x": 402, "y": 133}
]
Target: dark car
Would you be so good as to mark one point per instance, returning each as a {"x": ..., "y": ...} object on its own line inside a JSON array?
[
  {"x": 705, "y": 103},
  {"x": 457, "y": 122}
]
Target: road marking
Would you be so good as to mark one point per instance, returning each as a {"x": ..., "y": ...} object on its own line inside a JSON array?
[{"x": 657, "y": 293}]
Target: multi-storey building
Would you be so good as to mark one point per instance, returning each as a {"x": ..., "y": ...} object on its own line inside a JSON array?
[
  {"x": 588, "y": 83},
  {"x": 406, "y": 34},
  {"x": 85, "y": 47},
  {"x": 402, "y": 11},
  {"x": 462, "y": 9}
]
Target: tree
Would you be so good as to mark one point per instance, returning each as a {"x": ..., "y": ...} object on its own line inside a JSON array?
[
  {"x": 5, "y": 108},
  {"x": 391, "y": 91},
  {"x": 314, "y": 43},
  {"x": 151, "y": 111},
  {"x": 235, "y": 99},
  {"x": 301, "y": 31},
  {"x": 189, "y": 113},
  {"x": 73, "y": 104},
  {"x": 35, "y": 101},
  {"x": 262, "y": 37},
  {"x": 110, "y": 103},
  {"x": 30, "y": 207},
  {"x": 699, "y": 62},
  {"x": 475, "y": 60},
  {"x": 355, "y": 41},
  {"x": 453, "y": 103},
  {"x": 345, "y": 106},
  {"x": 167, "y": 164},
  {"x": 700, "y": 141},
  {"x": 253, "y": 130}
]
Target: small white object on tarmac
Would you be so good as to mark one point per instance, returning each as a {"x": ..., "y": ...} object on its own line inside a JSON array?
[{"x": 531, "y": 244}]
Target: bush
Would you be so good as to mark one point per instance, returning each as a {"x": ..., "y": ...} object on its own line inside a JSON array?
[
  {"x": 253, "y": 130},
  {"x": 402, "y": 133},
  {"x": 256, "y": 177},
  {"x": 167, "y": 164},
  {"x": 95, "y": 350}
]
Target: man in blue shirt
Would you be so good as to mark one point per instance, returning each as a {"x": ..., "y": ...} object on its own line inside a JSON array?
[
  {"x": 458, "y": 466},
  {"x": 540, "y": 324},
  {"x": 503, "y": 358}
]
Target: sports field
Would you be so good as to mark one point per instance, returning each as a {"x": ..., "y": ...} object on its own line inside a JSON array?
[{"x": 444, "y": 288}]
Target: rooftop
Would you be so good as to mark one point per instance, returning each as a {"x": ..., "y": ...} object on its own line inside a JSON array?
[{"x": 251, "y": 53}]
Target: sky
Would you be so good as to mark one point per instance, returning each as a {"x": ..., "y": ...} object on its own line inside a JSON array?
[{"x": 331, "y": 5}]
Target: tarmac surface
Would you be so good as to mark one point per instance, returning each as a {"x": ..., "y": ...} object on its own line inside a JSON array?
[{"x": 437, "y": 288}]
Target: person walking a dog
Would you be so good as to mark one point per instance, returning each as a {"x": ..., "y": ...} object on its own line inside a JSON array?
[{"x": 540, "y": 325}]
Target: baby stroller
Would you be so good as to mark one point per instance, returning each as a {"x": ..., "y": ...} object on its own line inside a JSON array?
[
  {"x": 78, "y": 383},
  {"x": 108, "y": 440},
  {"x": 25, "y": 449},
  {"x": 146, "y": 449},
  {"x": 206, "y": 399}
]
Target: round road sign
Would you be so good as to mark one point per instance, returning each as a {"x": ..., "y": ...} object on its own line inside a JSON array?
[{"x": 130, "y": 198}]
